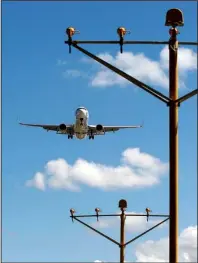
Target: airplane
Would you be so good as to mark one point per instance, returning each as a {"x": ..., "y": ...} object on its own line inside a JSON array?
[{"x": 80, "y": 128}]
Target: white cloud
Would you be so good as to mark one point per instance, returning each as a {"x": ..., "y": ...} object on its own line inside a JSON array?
[
  {"x": 59, "y": 175},
  {"x": 38, "y": 181},
  {"x": 137, "y": 169},
  {"x": 136, "y": 65},
  {"x": 187, "y": 59},
  {"x": 157, "y": 251},
  {"x": 141, "y": 67}
]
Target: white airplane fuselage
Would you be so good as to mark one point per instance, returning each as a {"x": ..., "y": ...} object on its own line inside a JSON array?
[{"x": 81, "y": 123}]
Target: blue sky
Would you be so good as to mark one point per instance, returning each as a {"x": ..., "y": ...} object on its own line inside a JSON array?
[{"x": 37, "y": 89}]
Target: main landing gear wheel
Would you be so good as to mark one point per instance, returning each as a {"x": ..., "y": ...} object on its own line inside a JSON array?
[
  {"x": 70, "y": 136},
  {"x": 91, "y": 137}
]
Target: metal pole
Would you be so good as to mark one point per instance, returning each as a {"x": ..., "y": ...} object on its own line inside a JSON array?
[
  {"x": 122, "y": 239},
  {"x": 173, "y": 147}
]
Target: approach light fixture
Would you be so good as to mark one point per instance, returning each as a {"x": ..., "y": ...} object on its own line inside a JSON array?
[
  {"x": 122, "y": 205},
  {"x": 122, "y": 31},
  {"x": 174, "y": 17},
  {"x": 70, "y": 31},
  {"x": 123, "y": 243},
  {"x": 148, "y": 210},
  {"x": 97, "y": 210},
  {"x": 72, "y": 211}
]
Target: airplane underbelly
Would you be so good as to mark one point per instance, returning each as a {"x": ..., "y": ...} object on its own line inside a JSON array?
[
  {"x": 80, "y": 131},
  {"x": 80, "y": 136}
]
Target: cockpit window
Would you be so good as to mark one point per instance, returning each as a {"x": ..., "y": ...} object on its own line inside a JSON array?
[{"x": 80, "y": 108}]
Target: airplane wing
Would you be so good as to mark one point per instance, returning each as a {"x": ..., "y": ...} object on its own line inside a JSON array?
[
  {"x": 69, "y": 128},
  {"x": 104, "y": 129}
]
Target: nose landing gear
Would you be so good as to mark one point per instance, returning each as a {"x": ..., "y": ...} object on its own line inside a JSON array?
[{"x": 81, "y": 121}]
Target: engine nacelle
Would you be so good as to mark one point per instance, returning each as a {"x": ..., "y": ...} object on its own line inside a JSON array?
[
  {"x": 62, "y": 127},
  {"x": 99, "y": 128}
]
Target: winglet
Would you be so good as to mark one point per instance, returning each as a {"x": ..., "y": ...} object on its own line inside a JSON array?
[{"x": 24, "y": 124}]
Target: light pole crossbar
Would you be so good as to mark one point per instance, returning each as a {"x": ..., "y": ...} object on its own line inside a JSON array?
[
  {"x": 147, "y": 215},
  {"x": 113, "y": 42},
  {"x": 150, "y": 215},
  {"x": 139, "y": 42},
  {"x": 95, "y": 215}
]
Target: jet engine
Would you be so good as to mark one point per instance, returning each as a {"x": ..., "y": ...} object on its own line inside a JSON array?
[
  {"x": 99, "y": 128},
  {"x": 62, "y": 127}
]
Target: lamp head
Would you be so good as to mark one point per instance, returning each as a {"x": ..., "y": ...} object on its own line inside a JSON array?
[
  {"x": 148, "y": 210},
  {"x": 174, "y": 17},
  {"x": 122, "y": 204},
  {"x": 97, "y": 210},
  {"x": 72, "y": 211}
]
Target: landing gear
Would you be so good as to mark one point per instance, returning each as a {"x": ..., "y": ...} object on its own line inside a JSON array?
[
  {"x": 81, "y": 121},
  {"x": 91, "y": 136},
  {"x": 70, "y": 136}
]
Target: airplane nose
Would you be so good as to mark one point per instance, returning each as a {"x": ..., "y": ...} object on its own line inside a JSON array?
[{"x": 81, "y": 113}]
